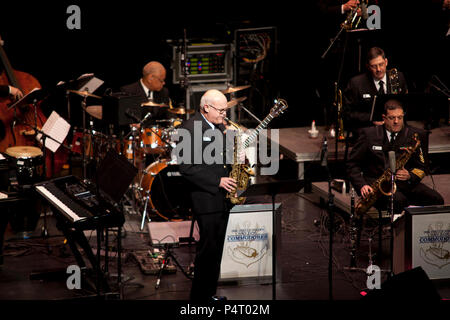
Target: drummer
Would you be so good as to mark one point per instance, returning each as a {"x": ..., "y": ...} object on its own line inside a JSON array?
[{"x": 151, "y": 88}]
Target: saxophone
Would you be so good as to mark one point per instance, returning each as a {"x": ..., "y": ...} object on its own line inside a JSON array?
[
  {"x": 395, "y": 81},
  {"x": 379, "y": 185},
  {"x": 241, "y": 172},
  {"x": 340, "y": 121}
]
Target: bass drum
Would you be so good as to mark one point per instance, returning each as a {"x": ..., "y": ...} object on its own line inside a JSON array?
[{"x": 166, "y": 190}]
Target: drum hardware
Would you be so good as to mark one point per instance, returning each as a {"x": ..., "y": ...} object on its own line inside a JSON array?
[{"x": 144, "y": 212}]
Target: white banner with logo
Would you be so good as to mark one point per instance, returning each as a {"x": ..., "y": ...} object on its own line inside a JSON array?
[{"x": 247, "y": 251}]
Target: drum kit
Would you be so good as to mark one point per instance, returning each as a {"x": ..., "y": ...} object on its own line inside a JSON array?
[
  {"x": 159, "y": 188},
  {"x": 147, "y": 145}
]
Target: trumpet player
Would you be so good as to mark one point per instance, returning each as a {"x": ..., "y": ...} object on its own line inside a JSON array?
[{"x": 369, "y": 159}]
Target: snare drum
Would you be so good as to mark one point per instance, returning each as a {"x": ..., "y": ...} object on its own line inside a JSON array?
[{"x": 28, "y": 163}]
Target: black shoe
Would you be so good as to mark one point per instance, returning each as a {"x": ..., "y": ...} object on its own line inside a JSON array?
[{"x": 218, "y": 298}]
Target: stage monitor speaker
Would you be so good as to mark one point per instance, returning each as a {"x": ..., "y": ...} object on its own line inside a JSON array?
[
  {"x": 413, "y": 284},
  {"x": 422, "y": 239}
]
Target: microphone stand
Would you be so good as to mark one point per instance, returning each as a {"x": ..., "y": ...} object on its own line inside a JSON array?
[
  {"x": 330, "y": 210},
  {"x": 184, "y": 81},
  {"x": 391, "y": 213}
]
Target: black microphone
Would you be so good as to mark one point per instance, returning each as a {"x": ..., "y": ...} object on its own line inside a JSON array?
[
  {"x": 324, "y": 153},
  {"x": 392, "y": 161}
]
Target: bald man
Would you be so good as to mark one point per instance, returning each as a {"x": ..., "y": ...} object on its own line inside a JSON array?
[
  {"x": 208, "y": 185},
  {"x": 150, "y": 87}
]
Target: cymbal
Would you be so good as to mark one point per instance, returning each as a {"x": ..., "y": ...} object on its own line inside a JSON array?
[
  {"x": 95, "y": 111},
  {"x": 85, "y": 94},
  {"x": 181, "y": 111},
  {"x": 153, "y": 104},
  {"x": 235, "y": 89},
  {"x": 234, "y": 102}
]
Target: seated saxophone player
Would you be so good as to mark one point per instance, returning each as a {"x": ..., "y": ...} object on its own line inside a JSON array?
[
  {"x": 369, "y": 159},
  {"x": 209, "y": 184}
]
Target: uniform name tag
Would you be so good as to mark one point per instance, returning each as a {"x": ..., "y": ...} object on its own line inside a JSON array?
[
  {"x": 366, "y": 96},
  {"x": 377, "y": 148}
]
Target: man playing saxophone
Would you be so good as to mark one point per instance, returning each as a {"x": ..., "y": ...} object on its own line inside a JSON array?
[
  {"x": 209, "y": 183},
  {"x": 369, "y": 160}
]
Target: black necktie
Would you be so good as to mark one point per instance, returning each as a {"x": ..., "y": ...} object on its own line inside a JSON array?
[
  {"x": 381, "y": 89},
  {"x": 393, "y": 135},
  {"x": 149, "y": 95}
]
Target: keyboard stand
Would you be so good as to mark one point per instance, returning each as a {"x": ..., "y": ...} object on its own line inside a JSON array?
[{"x": 75, "y": 237}]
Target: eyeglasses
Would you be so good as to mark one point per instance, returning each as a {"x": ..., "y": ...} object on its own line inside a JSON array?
[
  {"x": 392, "y": 118},
  {"x": 379, "y": 65},
  {"x": 162, "y": 81},
  {"x": 221, "y": 111}
]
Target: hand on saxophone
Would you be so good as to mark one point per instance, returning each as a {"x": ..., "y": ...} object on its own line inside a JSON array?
[
  {"x": 228, "y": 184},
  {"x": 402, "y": 175},
  {"x": 366, "y": 190}
]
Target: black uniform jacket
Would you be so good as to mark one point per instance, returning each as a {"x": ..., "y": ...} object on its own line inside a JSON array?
[
  {"x": 204, "y": 178},
  {"x": 369, "y": 157}
]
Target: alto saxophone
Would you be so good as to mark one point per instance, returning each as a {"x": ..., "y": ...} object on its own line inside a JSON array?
[
  {"x": 240, "y": 172},
  {"x": 340, "y": 121},
  {"x": 364, "y": 204}
]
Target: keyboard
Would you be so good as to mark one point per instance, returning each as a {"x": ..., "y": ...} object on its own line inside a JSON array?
[{"x": 79, "y": 203}]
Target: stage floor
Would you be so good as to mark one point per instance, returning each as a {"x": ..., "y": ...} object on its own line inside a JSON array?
[{"x": 303, "y": 263}]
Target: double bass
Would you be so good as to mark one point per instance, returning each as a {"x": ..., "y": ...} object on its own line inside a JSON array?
[{"x": 16, "y": 121}]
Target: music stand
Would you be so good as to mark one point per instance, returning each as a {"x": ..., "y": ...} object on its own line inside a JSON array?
[
  {"x": 113, "y": 178},
  {"x": 31, "y": 97},
  {"x": 272, "y": 189}
]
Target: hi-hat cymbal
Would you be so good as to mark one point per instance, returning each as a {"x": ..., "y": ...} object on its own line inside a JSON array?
[
  {"x": 234, "y": 102},
  {"x": 85, "y": 94},
  {"x": 235, "y": 89},
  {"x": 153, "y": 104},
  {"x": 181, "y": 111},
  {"x": 95, "y": 111}
]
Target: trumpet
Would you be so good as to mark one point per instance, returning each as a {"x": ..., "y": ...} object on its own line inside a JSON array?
[{"x": 353, "y": 20}]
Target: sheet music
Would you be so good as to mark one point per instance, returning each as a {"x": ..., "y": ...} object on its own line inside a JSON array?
[
  {"x": 92, "y": 84},
  {"x": 55, "y": 127}
]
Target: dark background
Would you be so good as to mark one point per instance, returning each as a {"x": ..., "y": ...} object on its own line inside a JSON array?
[{"x": 118, "y": 38}]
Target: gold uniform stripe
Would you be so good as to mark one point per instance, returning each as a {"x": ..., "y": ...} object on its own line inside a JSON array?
[{"x": 418, "y": 172}]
